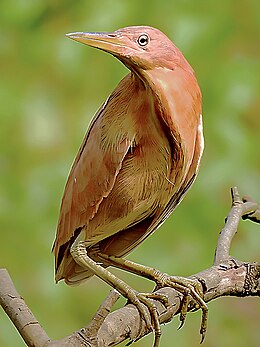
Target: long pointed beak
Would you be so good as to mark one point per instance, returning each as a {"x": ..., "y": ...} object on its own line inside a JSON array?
[{"x": 109, "y": 42}]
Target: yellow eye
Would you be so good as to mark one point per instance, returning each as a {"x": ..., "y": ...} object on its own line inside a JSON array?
[{"x": 143, "y": 40}]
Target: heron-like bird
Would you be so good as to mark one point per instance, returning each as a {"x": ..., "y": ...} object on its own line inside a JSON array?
[{"x": 139, "y": 157}]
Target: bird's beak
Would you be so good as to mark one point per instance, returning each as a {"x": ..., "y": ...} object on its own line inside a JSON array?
[{"x": 109, "y": 42}]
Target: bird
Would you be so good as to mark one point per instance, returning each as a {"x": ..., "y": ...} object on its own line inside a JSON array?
[{"x": 139, "y": 157}]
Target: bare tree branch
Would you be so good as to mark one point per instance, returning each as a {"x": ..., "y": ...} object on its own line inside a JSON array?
[
  {"x": 240, "y": 208},
  {"x": 19, "y": 313},
  {"x": 227, "y": 276}
]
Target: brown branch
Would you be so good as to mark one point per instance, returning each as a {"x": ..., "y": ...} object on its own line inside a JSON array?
[
  {"x": 240, "y": 208},
  {"x": 19, "y": 313},
  {"x": 228, "y": 276}
]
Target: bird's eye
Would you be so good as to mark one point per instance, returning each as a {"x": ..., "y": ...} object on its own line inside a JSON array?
[{"x": 143, "y": 40}]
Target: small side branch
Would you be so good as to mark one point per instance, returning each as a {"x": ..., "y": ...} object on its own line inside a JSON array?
[{"x": 246, "y": 209}]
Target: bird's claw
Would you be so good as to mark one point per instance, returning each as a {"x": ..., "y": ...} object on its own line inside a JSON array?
[
  {"x": 152, "y": 322},
  {"x": 162, "y": 298},
  {"x": 191, "y": 290},
  {"x": 192, "y": 299}
]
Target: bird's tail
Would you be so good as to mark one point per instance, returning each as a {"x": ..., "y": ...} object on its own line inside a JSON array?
[{"x": 71, "y": 272}]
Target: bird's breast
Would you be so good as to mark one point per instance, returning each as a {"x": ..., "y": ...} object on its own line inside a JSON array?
[
  {"x": 147, "y": 168},
  {"x": 145, "y": 180},
  {"x": 143, "y": 185}
]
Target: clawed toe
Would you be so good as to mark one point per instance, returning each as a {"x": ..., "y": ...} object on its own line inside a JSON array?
[
  {"x": 146, "y": 300},
  {"x": 162, "y": 298},
  {"x": 192, "y": 297},
  {"x": 191, "y": 290}
]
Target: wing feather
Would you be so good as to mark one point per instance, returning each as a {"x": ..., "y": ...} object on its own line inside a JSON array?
[
  {"x": 93, "y": 173},
  {"x": 132, "y": 237}
]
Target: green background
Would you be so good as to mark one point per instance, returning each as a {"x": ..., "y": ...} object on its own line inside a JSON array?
[{"x": 49, "y": 89}]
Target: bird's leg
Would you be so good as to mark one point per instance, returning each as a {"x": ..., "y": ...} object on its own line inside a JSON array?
[
  {"x": 189, "y": 288},
  {"x": 79, "y": 253}
]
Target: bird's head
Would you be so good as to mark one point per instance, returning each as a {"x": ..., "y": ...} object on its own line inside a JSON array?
[{"x": 138, "y": 47}]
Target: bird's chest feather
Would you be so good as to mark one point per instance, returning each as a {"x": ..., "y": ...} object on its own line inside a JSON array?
[
  {"x": 142, "y": 185},
  {"x": 147, "y": 166}
]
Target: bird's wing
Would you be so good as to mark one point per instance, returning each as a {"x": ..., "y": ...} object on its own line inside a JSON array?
[
  {"x": 91, "y": 178},
  {"x": 132, "y": 237},
  {"x": 187, "y": 183}
]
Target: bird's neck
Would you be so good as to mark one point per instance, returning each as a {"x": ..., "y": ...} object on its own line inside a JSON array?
[{"x": 179, "y": 102}]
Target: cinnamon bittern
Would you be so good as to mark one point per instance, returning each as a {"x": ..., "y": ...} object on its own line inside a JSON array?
[{"x": 140, "y": 155}]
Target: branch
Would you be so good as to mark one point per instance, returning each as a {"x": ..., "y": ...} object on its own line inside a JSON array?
[
  {"x": 19, "y": 313},
  {"x": 227, "y": 276}
]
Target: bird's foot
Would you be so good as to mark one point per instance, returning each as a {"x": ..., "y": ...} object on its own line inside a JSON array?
[
  {"x": 192, "y": 296},
  {"x": 148, "y": 299},
  {"x": 154, "y": 325},
  {"x": 143, "y": 303},
  {"x": 191, "y": 290}
]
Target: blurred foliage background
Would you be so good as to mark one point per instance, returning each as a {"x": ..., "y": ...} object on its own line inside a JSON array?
[{"x": 49, "y": 89}]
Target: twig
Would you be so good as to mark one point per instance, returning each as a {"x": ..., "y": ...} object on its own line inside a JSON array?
[{"x": 247, "y": 208}]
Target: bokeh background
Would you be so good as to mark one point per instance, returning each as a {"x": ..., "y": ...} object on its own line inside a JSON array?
[{"x": 49, "y": 89}]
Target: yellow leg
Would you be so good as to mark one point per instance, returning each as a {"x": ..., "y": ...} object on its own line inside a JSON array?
[
  {"x": 79, "y": 254},
  {"x": 188, "y": 287}
]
